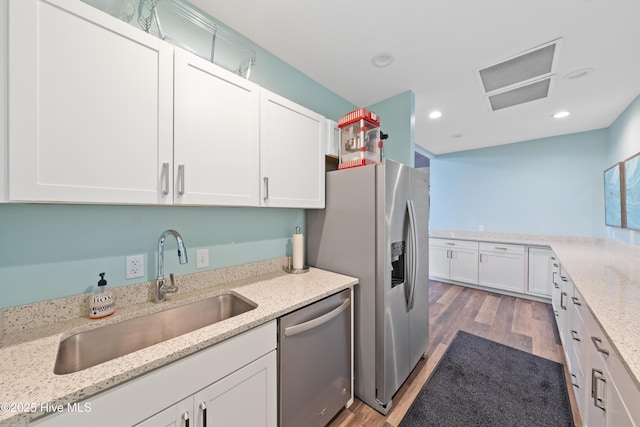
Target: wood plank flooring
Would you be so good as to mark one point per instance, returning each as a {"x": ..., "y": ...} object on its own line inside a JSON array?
[{"x": 520, "y": 323}]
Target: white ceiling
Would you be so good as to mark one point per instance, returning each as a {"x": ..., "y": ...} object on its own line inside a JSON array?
[{"x": 438, "y": 47}]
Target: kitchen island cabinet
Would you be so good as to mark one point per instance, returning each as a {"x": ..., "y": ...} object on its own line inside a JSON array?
[{"x": 90, "y": 107}]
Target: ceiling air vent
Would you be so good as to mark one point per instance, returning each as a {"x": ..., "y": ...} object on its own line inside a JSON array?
[{"x": 522, "y": 78}]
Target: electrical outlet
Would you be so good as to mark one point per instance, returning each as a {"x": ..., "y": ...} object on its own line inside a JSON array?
[
  {"x": 134, "y": 265},
  {"x": 202, "y": 258},
  {"x": 481, "y": 227}
]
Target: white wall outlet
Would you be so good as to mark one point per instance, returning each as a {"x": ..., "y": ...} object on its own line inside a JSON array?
[
  {"x": 134, "y": 266},
  {"x": 202, "y": 258},
  {"x": 481, "y": 227}
]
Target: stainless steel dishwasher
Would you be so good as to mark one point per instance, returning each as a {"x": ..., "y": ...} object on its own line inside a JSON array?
[{"x": 314, "y": 362}]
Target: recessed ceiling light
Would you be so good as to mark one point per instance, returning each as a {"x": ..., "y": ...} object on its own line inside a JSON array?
[
  {"x": 578, "y": 73},
  {"x": 560, "y": 114},
  {"x": 457, "y": 135},
  {"x": 435, "y": 114},
  {"x": 382, "y": 59}
]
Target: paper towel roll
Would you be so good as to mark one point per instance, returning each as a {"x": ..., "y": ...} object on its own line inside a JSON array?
[{"x": 298, "y": 251}]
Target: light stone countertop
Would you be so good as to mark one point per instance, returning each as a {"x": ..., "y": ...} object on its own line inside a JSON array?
[
  {"x": 26, "y": 371},
  {"x": 607, "y": 274}
]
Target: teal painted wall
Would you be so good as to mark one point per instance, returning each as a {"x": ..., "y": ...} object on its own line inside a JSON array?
[
  {"x": 50, "y": 251},
  {"x": 624, "y": 142},
  {"x": 397, "y": 118},
  {"x": 546, "y": 186}
]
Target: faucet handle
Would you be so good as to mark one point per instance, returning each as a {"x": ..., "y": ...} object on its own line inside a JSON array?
[{"x": 168, "y": 289}]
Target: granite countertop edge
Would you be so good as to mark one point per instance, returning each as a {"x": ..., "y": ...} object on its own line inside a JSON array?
[{"x": 30, "y": 380}]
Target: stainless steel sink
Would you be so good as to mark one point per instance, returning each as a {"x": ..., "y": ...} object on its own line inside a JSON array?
[{"x": 95, "y": 346}]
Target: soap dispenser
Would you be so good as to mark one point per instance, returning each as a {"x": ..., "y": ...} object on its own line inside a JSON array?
[{"x": 102, "y": 302}]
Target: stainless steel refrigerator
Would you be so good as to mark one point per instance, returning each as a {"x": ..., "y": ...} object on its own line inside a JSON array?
[{"x": 375, "y": 228}]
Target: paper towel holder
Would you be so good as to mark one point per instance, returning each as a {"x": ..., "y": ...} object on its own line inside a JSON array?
[{"x": 289, "y": 267}]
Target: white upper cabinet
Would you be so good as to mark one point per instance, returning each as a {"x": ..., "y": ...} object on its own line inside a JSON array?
[
  {"x": 217, "y": 145},
  {"x": 90, "y": 107},
  {"x": 292, "y": 146}
]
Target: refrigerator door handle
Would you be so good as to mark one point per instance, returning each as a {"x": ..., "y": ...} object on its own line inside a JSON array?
[
  {"x": 413, "y": 252},
  {"x": 313, "y": 323}
]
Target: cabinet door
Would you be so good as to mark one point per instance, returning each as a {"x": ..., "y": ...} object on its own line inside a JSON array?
[
  {"x": 178, "y": 415},
  {"x": 540, "y": 271},
  {"x": 90, "y": 107},
  {"x": 502, "y": 271},
  {"x": 438, "y": 262},
  {"x": 578, "y": 351},
  {"x": 247, "y": 397},
  {"x": 216, "y": 134},
  {"x": 292, "y": 145},
  {"x": 464, "y": 266}
]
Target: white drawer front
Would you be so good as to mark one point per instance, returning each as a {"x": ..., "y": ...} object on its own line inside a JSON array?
[
  {"x": 502, "y": 248},
  {"x": 454, "y": 244}
]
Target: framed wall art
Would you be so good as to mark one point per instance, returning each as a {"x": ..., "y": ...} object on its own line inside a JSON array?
[
  {"x": 614, "y": 212},
  {"x": 632, "y": 191}
]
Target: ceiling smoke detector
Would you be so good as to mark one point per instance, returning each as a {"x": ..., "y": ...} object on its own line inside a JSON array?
[{"x": 522, "y": 78}]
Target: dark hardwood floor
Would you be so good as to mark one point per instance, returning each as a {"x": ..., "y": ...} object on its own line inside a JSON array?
[{"x": 516, "y": 322}]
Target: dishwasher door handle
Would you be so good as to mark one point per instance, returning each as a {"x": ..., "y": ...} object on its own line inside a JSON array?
[{"x": 303, "y": 327}]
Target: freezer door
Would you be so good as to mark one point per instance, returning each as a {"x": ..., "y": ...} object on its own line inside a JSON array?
[
  {"x": 419, "y": 314},
  {"x": 393, "y": 320}
]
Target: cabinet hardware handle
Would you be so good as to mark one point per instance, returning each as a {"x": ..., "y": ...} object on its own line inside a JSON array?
[
  {"x": 313, "y": 323},
  {"x": 451, "y": 244},
  {"x": 180, "y": 180},
  {"x": 266, "y": 188},
  {"x": 555, "y": 264},
  {"x": 164, "y": 177},
  {"x": 575, "y": 384},
  {"x": 564, "y": 279},
  {"x": 576, "y": 301},
  {"x": 574, "y": 335},
  {"x": 562, "y": 295},
  {"x": 185, "y": 417},
  {"x": 203, "y": 407},
  {"x": 597, "y": 341},
  {"x": 598, "y": 402},
  {"x": 500, "y": 249}
]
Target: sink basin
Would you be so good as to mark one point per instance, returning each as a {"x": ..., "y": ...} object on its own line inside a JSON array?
[{"x": 95, "y": 346}]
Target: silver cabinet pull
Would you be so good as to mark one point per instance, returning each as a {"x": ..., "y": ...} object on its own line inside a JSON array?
[
  {"x": 598, "y": 375},
  {"x": 164, "y": 178},
  {"x": 575, "y": 384},
  {"x": 480, "y": 257},
  {"x": 185, "y": 417},
  {"x": 597, "y": 341},
  {"x": 576, "y": 301},
  {"x": 180, "y": 180},
  {"x": 562, "y": 295},
  {"x": 451, "y": 244},
  {"x": 266, "y": 188},
  {"x": 574, "y": 335},
  {"x": 500, "y": 249},
  {"x": 203, "y": 408}
]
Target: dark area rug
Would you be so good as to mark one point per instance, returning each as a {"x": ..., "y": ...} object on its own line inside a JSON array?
[{"x": 479, "y": 382}]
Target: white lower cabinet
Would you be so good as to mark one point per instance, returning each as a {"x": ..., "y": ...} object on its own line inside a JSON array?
[
  {"x": 611, "y": 398},
  {"x": 453, "y": 260},
  {"x": 540, "y": 271},
  {"x": 502, "y": 266},
  {"x": 241, "y": 399},
  {"x": 236, "y": 380},
  {"x": 605, "y": 393}
]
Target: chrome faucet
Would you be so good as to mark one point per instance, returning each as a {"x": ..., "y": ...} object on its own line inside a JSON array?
[{"x": 161, "y": 287}]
